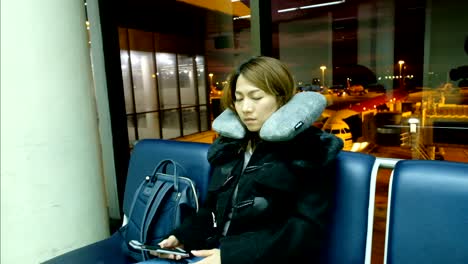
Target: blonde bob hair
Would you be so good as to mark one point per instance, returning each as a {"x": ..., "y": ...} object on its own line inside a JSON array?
[{"x": 266, "y": 73}]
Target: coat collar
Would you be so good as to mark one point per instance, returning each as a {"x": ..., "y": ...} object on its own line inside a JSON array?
[{"x": 309, "y": 147}]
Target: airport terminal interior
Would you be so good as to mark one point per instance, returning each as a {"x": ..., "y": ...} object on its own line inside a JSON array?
[{"x": 394, "y": 73}]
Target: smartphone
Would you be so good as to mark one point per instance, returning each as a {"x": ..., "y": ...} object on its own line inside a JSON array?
[{"x": 176, "y": 251}]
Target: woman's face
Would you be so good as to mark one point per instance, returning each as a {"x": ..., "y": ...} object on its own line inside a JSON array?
[{"x": 253, "y": 105}]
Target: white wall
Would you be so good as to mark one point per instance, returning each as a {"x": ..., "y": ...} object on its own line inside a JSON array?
[{"x": 52, "y": 192}]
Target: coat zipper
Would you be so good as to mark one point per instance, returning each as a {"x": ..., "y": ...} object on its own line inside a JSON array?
[
  {"x": 214, "y": 220},
  {"x": 243, "y": 204}
]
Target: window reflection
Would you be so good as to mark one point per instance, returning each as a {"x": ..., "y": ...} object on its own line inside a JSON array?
[
  {"x": 370, "y": 59},
  {"x": 131, "y": 129},
  {"x": 127, "y": 84},
  {"x": 143, "y": 71},
  {"x": 126, "y": 76},
  {"x": 394, "y": 72},
  {"x": 148, "y": 125},
  {"x": 158, "y": 87},
  {"x": 204, "y": 121},
  {"x": 143, "y": 81},
  {"x": 187, "y": 81},
  {"x": 201, "y": 79},
  {"x": 167, "y": 80},
  {"x": 170, "y": 124},
  {"x": 190, "y": 120},
  {"x": 383, "y": 64}
]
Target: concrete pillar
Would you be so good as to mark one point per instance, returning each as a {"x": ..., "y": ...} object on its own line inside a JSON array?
[
  {"x": 52, "y": 192},
  {"x": 102, "y": 105}
]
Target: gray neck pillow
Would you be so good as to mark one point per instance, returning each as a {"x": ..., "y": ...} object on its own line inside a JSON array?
[{"x": 289, "y": 120}]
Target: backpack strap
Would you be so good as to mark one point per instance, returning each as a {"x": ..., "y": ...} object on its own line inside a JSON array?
[
  {"x": 135, "y": 198},
  {"x": 162, "y": 167},
  {"x": 149, "y": 205},
  {"x": 154, "y": 205}
]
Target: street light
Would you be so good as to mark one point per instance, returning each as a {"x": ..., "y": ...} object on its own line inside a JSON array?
[
  {"x": 323, "y": 68},
  {"x": 211, "y": 79},
  {"x": 401, "y": 62}
]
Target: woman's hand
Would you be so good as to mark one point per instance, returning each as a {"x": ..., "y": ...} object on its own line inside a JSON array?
[
  {"x": 211, "y": 256},
  {"x": 170, "y": 242}
]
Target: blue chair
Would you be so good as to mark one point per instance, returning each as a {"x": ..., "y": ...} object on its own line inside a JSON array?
[
  {"x": 145, "y": 156},
  {"x": 427, "y": 219},
  {"x": 349, "y": 235}
]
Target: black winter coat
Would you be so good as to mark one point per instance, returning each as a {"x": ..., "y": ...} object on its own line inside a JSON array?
[{"x": 280, "y": 211}]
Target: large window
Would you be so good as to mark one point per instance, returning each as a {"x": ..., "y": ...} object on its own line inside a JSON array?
[
  {"x": 394, "y": 71},
  {"x": 165, "y": 93}
]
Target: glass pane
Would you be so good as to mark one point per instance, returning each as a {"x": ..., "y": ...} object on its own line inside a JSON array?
[
  {"x": 190, "y": 120},
  {"x": 125, "y": 67},
  {"x": 186, "y": 81},
  {"x": 227, "y": 42},
  {"x": 131, "y": 129},
  {"x": 398, "y": 98},
  {"x": 204, "y": 118},
  {"x": 217, "y": 40},
  {"x": 148, "y": 125},
  {"x": 141, "y": 58},
  {"x": 170, "y": 124},
  {"x": 316, "y": 45},
  {"x": 201, "y": 78},
  {"x": 167, "y": 82},
  {"x": 127, "y": 85}
]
